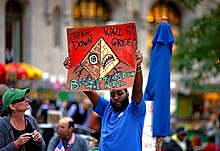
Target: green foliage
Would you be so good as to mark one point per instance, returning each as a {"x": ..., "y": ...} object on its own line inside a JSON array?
[
  {"x": 198, "y": 47},
  {"x": 191, "y": 4}
]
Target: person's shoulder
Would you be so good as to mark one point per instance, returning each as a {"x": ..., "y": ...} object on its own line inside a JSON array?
[
  {"x": 103, "y": 101},
  {"x": 173, "y": 142},
  {"x": 6, "y": 119},
  {"x": 80, "y": 137},
  {"x": 54, "y": 138},
  {"x": 102, "y": 98},
  {"x": 29, "y": 117},
  {"x": 4, "y": 123}
]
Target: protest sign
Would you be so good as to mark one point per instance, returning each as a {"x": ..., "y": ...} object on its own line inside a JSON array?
[
  {"x": 101, "y": 57},
  {"x": 148, "y": 141}
]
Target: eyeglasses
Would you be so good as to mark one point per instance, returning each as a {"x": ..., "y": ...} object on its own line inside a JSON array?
[{"x": 19, "y": 100}]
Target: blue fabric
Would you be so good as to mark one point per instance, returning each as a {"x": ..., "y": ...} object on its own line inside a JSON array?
[
  {"x": 60, "y": 145},
  {"x": 163, "y": 34},
  {"x": 158, "y": 85},
  {"x": 121, "y": 131}
]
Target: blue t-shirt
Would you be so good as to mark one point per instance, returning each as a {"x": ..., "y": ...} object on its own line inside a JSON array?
[{"x": 121, "y": 131}]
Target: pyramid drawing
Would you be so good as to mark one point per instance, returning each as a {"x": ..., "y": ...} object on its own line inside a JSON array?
[{"x": 100, "y": 60}]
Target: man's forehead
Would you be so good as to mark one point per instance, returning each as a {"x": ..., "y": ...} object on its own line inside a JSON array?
[
  {"x": 116, "y": 90},
  {"x": 63, "y": 123}
]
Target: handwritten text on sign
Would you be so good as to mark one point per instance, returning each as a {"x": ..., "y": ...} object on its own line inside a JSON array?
[
  {"x": 148, "y": 141},
  {"x": 101, "y": 57}
]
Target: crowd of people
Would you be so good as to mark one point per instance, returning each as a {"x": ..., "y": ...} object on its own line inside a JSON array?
[{"x": 117, "y": 121}]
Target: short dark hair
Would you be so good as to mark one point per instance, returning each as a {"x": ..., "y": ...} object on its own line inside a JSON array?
[
  {"x": 183, "y": 130},
  {"x": 125, "y": 89},
  {"x": 71, "y": 124}
]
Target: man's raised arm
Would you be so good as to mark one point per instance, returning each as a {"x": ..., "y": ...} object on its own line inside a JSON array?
[
  {"x": 138, "y": 81},
  {"x": 93, "y": 96}
]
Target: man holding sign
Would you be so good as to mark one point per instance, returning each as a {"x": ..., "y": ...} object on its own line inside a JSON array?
[{"x": 122, "y": 122}]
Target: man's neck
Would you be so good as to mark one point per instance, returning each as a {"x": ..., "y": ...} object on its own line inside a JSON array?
[{"x": 66, "y": 139}]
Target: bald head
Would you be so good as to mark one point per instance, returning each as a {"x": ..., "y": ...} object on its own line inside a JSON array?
[{"x": 66, "y": 120}]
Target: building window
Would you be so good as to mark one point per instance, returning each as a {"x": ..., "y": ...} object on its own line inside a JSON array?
[
  {"x": 13, "y": 33},
  {"x": 90, "y": 13},
  {"x": 154, "y": 18}
]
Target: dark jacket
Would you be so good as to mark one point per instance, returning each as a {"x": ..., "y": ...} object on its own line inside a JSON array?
[
  {"x": 174, "y": 146},
  {"x": 7, "y": 135},
  {"x": 78, "y": 117}
]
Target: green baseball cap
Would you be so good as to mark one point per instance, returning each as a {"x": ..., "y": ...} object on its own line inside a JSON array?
[{"x": 13, "y": 94}]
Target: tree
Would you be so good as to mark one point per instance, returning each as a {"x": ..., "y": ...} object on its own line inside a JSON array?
[{"x": 198, "y": 46}]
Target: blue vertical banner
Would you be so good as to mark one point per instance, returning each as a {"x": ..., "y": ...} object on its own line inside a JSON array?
[{"x": 158, "y": 85}]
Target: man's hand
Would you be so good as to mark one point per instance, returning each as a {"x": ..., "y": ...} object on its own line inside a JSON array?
[
  {"x": 138, "y": 81},
  {"x": 138, "y": 57},
  {"x": 66, "y": 62}
]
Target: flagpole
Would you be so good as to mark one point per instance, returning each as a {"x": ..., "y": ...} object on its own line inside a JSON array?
[{"x": 159, "y": 139}]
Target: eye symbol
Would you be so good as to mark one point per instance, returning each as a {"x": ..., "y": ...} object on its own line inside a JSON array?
[{"x": 93, "y": 59}]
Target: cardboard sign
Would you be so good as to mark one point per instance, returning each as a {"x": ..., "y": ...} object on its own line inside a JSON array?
[
  {"x": 101, "y": 57},
  {"x": 148, "y": 141}
]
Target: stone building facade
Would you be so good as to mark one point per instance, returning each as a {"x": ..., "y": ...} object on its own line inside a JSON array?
[{"x": 34, "y": 31}]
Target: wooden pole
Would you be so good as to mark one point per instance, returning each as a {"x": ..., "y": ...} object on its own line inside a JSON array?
[
  {"x": 159, "y": 143},
  {"x": 164, "y": 18}
]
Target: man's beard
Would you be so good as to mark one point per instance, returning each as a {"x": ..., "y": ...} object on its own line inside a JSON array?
[{"x": 124, "y": 105}]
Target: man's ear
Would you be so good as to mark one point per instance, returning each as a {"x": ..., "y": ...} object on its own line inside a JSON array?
[
  {"x": 71, "y": 129},
  {"x": 127, "y": 93}
]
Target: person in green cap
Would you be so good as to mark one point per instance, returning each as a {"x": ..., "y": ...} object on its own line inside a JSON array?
[{"x": 17, "y": 130}]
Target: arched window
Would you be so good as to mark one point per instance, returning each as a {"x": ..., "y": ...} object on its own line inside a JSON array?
[
  {"x": 13, "y": 33},
  {"x": 90, "y": 13},
  {"x": 154, "y": 18}
]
